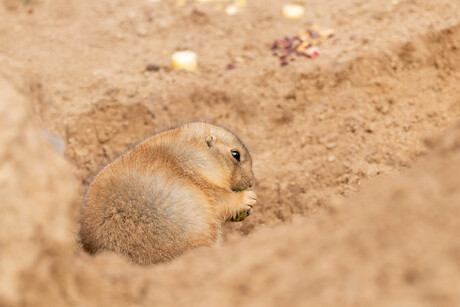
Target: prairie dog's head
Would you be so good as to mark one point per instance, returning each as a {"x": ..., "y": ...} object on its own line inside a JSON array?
[{"x": 230, "y": 154}]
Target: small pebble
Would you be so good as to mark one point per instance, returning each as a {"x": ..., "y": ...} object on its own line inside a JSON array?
[
  {"x": 58, "y": 143},
  {"x": 152, "y": 67}
]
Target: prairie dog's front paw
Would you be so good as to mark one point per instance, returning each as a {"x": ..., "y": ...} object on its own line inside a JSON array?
[{"x": 249, "y": 199}]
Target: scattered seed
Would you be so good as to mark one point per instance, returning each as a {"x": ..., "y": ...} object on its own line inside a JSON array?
[
  {"x": 231, "y": 66},
  {"x": 303, "y": 44}
]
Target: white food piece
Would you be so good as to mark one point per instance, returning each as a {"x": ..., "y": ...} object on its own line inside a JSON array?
[
  {"x": 293, "y": 11},
  {"x": 231, "y": 9},
  {"x": 184, "y": 60}
]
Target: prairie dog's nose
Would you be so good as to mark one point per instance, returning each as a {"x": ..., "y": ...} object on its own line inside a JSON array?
[{"x": 252, "y": 182}]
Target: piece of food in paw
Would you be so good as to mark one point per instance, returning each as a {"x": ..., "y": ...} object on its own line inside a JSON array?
[{"x": 242, "y": 215}]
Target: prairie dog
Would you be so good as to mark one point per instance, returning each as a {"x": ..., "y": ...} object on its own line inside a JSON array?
[{"x": 170, "y": 193}]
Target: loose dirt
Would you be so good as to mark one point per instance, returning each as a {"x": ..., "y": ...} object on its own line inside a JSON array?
[{"x": 377, "y": 102}]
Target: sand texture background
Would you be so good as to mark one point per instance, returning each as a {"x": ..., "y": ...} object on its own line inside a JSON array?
[{"x": 356, "y": 152}]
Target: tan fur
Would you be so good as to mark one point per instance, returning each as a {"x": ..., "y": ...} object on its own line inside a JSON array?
[{"x": 170, "y": 193}]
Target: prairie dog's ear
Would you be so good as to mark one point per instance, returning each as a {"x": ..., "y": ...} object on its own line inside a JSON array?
[{"x": 210, "y": 140}]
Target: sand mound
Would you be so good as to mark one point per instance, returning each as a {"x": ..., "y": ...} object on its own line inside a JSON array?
[
  {"x": 394, "y": 243},
  {"x": 38, "y": 193}
]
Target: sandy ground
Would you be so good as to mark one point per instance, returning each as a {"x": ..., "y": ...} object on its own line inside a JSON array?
[{"x": 378, "y": 108}]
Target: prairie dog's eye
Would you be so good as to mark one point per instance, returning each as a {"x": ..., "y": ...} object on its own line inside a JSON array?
[{"x": 235, "y": 155}]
